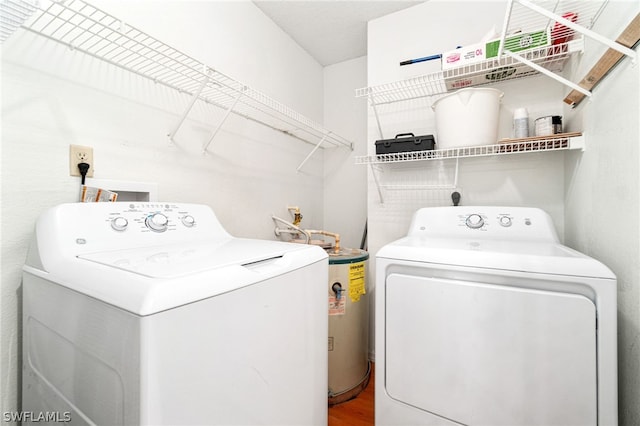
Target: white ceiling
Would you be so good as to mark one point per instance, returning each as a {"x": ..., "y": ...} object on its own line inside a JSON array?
[{"x": 331, "y": 31}]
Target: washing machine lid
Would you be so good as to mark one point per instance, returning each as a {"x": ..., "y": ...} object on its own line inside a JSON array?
[
  {"x": 146, "y": 281},
  {"x": 181, "y": 260},
  {"x": 522, "y": 256}
]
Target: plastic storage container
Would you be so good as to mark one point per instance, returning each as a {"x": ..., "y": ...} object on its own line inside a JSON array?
[
  {"x": 520, "y": 123},
  {"x": 549, "y": 125},
  {"x": 405, "y": 142},
  {"x": 468, "y": 117}
]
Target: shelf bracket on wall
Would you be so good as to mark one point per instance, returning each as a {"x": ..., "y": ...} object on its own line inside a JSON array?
[
  {"x": 546, "y": 72},
  {"x": 375, "y": 112},
  {"x": 315, "y": 148},
  {"x": 226, "y": 115},
  {"x": 194, "y": 98},
  {"x": 375, "y": 179}
]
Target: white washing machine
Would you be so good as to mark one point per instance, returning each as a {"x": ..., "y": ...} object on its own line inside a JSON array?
[
  {"x": 152, "y": 314},
  {"x": 484, "y": 318}
]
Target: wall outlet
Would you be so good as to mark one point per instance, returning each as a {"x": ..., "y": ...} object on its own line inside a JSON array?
[{"x": 80, "y": 154}]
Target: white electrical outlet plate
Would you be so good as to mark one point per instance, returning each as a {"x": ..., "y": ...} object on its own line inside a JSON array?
[{"x": 80, "y": 154}]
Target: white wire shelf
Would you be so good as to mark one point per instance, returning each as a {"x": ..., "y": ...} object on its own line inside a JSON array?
[
  {"x": 12, "y": 15},
  {"x": 87, "y": 29},
  {"x": 477, "y": 74},
  {"x": 566, "y": 22},
  {"x": 528, "y": 145},
  {"x": 525, "y": 16}
]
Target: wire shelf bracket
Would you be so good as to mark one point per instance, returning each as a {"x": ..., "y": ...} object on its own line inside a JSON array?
[
  {"x": 546, "y": 72},
  {"x": 372, "y": 101},
  {"x": 377, "y": 182},
  {"x": 194, "y": 98},
  {"x": 219, "y": 126},
  {"x": 313, "y": 151}
]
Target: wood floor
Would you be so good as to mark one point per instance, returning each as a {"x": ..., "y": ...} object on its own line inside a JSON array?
[{"x": 358, "y": 411}]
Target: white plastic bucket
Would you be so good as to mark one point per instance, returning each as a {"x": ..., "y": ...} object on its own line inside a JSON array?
[{"x": 467, "y": 117}]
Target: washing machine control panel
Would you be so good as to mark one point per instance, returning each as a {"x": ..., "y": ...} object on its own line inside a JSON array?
[
  {"x": 151, "y": 217},
  {"x": 95, "y": 227}
]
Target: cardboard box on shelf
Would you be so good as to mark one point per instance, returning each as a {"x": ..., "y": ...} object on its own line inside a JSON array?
[
  {"x": 478, "y": 52},
  {"x": 464, "y": 56},
  {"x": 520, "y": 42}
]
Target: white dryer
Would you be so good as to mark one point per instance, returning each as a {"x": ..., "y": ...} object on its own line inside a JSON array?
[
  {"x": 152, "y": 314},
  {"x": 484, "y": 318}
]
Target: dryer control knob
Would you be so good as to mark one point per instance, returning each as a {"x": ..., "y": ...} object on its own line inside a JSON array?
[
  {"x": 188, "y": 221},
  {"x": 157, "y": 222},
  {"x": 119, "y": 223},
  {"x": 505, "y": 221},
  {"x": 474, "y": 221}
]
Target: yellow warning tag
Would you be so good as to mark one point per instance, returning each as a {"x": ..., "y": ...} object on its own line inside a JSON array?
[{"x": 356, "y": 281}]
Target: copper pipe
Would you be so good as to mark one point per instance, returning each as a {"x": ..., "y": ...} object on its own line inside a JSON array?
[{"x": 328, "y": 234}]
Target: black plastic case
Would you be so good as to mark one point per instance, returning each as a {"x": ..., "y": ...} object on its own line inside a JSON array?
[{"x": 405, "y": 142}]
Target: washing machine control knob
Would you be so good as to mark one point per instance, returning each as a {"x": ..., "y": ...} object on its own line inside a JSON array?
[
  {"x": 157, "y": 222},
  {"x": 474, "y": 221},
  {"x": 119, "y": 223},
  {"x": 188, "y": 221}
]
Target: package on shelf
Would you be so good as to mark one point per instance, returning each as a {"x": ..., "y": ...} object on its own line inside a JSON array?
[
  {"x": 89, "y": 194},
  {"x": 464, "y": 55},
  {"x": 483, "y": 51}
]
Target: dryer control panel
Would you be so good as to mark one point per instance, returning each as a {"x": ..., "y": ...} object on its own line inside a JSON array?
[{"x": 484, "y": 222}]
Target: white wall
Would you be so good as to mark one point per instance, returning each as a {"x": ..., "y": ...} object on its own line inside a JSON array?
[
  {"x": 345, "y": 195},
  {"x": 53, "y": 97},
  {"x": 603, "y": 194}
]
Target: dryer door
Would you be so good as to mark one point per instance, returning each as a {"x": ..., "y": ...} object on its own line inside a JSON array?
[{"x": 484, "y": 354}]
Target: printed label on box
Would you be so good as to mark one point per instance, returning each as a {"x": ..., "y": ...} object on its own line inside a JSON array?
[
  {"x": 463, "y": 56},
  {"x": 474, "y": 53},
  {"x": 519, "y": 42}
]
